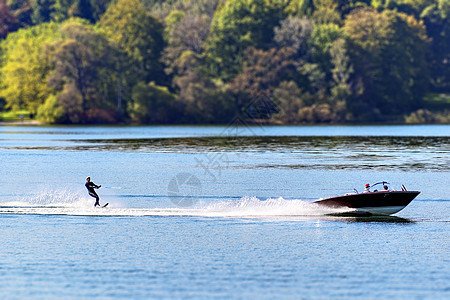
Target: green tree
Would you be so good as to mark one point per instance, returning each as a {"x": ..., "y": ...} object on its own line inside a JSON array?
[
  {"x": 82, "y": 9},
  {"x": 322, "y": 39},
  {"x": 300, "y": 8},
  {"x": 326, "y": 12},
  {"x": 288, "y": 100},
  {"x": 192, "y": 8},
  {"x": 411, "y": 7},
  {"x": 185, "y": 35},
  {"x": 99, "y": 7},
  {"x": 388, "y": 52},
  {"x": 78, "y": 60},
  {"x": 51, "y": 111},
  {"x": 152, "y": 104},
  {"x": 323, "y": 8},
  {"x": 61, "y": 10},
  {"x": 437, "y": 20},
  {"x": 26, "y": 65},
  {"x": 42, "y": 11},
  {"x": 139, "y": 35},
  {"x": 237, "y": 25},
  {"x": 341, "y": 88},
  {"x": 202, "y": 100}
]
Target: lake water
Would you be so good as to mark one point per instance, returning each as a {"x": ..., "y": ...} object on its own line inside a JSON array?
[{"x": 221, "y": 212}]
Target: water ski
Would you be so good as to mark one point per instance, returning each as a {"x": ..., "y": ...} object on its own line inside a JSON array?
[{"x": 105, "y": 205}]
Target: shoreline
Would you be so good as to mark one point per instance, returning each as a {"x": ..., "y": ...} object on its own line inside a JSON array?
[
  {"x": 25, "y": 123},
  {"x": 37, "y": 123}
]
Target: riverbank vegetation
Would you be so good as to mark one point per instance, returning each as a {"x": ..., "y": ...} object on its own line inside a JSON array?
[{"x": 215, "y": 61}]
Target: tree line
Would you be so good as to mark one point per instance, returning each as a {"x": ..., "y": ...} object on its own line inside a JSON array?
[{"x": 210, "y": 61}]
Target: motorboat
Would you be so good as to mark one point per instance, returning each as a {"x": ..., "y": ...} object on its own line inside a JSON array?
[{"x": 373, "y": 202}]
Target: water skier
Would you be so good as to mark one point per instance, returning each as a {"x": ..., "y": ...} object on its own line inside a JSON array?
[{"x": 90, "y": 187}]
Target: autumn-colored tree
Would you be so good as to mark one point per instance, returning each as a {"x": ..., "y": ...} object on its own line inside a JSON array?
[
  {"x": 8, "y": 22},
  {"x": 23, "y": 11},
  {"x": 294, "y": 33},
  {"x": 263, "y": 71}
]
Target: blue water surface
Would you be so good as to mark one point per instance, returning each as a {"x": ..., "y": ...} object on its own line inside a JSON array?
[{"x": 221, "y": 212}]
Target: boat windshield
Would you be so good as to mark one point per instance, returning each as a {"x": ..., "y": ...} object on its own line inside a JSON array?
[{"x": 381, "y": 186}]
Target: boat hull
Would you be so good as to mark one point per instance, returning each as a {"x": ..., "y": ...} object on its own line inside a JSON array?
[{"x": 375, "y": 203}]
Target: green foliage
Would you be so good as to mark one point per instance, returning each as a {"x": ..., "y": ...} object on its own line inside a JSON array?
[
  {"x": 437, "y": 101},
  {"x": 26, "y": 65},
  {"x": 82, "y": 9},
  {"x": 326, "y": 12},
  {"x": 90, "y": 10},
  {"x": 186, "y": 36},
  {"x": 300, "y": 8},
  {"x": 189, "y": 7},
  {"x": 237, "y": 25},
  {"x": 2, "y": 104},
  {"x": 202, "y": 100},
  {"x": 61, "y": 10},
  {"x": 196, "y": 61},
  {"x": 78, "y": 60},
  {"x": 138, "y": 34},
  {"x": 437, "y": 23},
  {"x": 424, "y": 116},
  {"x": 152, "y": 104},
  {"x": 70, "y": 100},
  {"x": 288, "y": 99},
  {"x": 15, "y": 116},
  {"x": 42, "y": 11},
  {"x": 51, "y": 111},
  {"x": 322, "y": 39},
  {"x": 388, "y": 50}
]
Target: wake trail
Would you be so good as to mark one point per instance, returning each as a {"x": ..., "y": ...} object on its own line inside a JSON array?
[{"x": 246, "y": 207}]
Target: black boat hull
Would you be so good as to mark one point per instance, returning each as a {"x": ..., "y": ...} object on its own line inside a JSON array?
[{"x": 375, "y": 203}]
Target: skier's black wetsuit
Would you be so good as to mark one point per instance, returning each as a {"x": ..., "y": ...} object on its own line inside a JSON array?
[{"x": 90, "y": 187}]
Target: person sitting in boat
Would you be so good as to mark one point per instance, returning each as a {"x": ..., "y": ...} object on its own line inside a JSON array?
[
  {"x": 367, "y": 189},
  {"x": 385, "y": 188}
]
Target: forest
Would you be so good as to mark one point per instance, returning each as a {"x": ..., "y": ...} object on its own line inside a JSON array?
[{"x": 215, "y": 61}]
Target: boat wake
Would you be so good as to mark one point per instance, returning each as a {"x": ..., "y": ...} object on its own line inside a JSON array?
[{"x": 66, "y": 203}]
